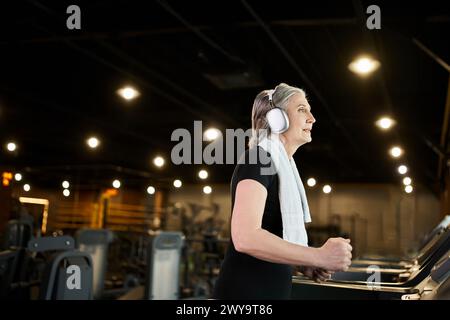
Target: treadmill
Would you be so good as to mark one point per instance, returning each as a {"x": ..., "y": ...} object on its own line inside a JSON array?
[
  {"x": 400, "y": 271},
  {"x": 359, "y": 286},
  {"x": 407, "y": 262},
  {"x": 438, "y": 285}
]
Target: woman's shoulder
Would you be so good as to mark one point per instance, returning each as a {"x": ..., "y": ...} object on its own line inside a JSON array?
[{"x": 255, "y": 164}]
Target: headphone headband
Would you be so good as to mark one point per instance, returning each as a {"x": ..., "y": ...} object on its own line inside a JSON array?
[
  {"x": 270, "y": 94},
  {"x": 276, "y": 117}
]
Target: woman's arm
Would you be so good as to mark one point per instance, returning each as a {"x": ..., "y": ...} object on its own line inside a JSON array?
[{"x": 249, "y": 237}]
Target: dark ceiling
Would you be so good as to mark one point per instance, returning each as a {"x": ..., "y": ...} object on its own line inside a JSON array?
[{"x": 207, "y": 60}]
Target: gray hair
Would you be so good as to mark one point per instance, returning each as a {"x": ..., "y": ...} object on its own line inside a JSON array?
[{"x": 261, "y": 105}]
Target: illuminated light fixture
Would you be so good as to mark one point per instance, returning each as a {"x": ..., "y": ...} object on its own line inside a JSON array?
[
  {"x": 396, "y": 152},
  {"x": 128, "y": 93},
  {"x": 11, "y": 146},
  {"x": 211, "y": 134},
  {"x": 385, "y": 123},
  {"x": 364, "y": 65},
  {"x": 177, "y": 183},
  {"x": 6, "y": 177},
  {"x": 17, "y": 177},
  {"x": 43, "y": 202},
  {"x": 326, "y": 188},
  {"x": 116, "y": 184},
  {"x": 207, "y": 189},
  {"x": 26, "y": 187},
  {"x": 158, "y": 161},
  {"x": 66, "y": 192},
  {"x": 311, "y": 182},
  {"x": 407, "y": 181},
  {"x": 408, "y": 189},
  {"x": 93, "y": 142},
  {"x": 402, "y": 169},
  {"x": 110, "y": 192},
  {"x": 203, "y": 174},
  {"x": 151, "y": 190},
  {"x": 66, "y": 184}
]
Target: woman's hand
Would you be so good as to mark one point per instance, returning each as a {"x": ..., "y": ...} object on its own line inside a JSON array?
[
  {"x": 336, "y": 254},
  {"x": 319, "y": 275}
]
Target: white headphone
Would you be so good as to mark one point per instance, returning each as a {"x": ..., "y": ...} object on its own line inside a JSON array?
[{"x": 276, "y": 117}]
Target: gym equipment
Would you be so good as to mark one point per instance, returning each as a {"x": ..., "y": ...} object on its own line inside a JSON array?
[
  {"x": 163, "y": 269},
  {"x": 17, "y": 234},
  {"x": 127, "y": 263},
  {"x": 444, "y": 224},
  {"x": 201, "y": 260},
  {"x": 428, "y": 241},
  {"x": 95, "y": 242},
  {"x": 365, "y": 289},
  {"x": 162, "y": 281},
  {"x": 8, "y": 265},
  {"x": 390, "y": 271},
  {"x": 68, "y": 273},
  {"x": 438, "y": 284}
]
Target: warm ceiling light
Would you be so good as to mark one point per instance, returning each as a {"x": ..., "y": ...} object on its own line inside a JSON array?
[
  {"x": 116, "y": 184},
  {"x": 364, "y": 65},
  {"x": 311, "y": 182},
  {"x": 211, "y": 134},
  {"x": 158, "y": 161},
  {"x": 26, "y": 187},
  {"x": 396, "y": 152},
  {"x": 65, "y": 184},
  {"x": 407, "y": 181},
  {"x": 402, "y": 169},
  {"x": 151, "y": 190},
  {"x": 203, "y": 174},
  {"x": 207, "y": 189},
  {"x": 11, "y": 146},
  {"x": 93, "y": 142},
  {"x": 17, "y": 177},
  {"x": 385, "y": 123},
  {"x": 408, "y": 189},
  {"x": 177, "y": 183},
  {"x": 326, "y": 188},
  {"x": 66, "y": 192},
  {"x": 128, "y": 93}
]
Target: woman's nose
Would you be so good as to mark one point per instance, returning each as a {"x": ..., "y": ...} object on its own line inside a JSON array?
[{"x": 311, "y": 118}]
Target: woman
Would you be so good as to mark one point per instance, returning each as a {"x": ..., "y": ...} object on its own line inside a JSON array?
[{"x": 268, "y": 236}]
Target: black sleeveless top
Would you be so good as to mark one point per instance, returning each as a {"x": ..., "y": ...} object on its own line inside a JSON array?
[{"x": 243, "y": 276}]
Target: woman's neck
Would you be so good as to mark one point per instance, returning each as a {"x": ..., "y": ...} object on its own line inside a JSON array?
[{"x": 290, "y": 148}]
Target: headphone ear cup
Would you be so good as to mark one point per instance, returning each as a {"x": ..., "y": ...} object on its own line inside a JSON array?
[{"x": 278, "y": 120}]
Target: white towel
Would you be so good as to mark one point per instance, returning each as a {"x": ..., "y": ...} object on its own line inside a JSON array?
[{"x": 293, "y": 202}]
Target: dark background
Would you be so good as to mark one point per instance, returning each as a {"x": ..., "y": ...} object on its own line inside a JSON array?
[{"x": 207, "y": 60}]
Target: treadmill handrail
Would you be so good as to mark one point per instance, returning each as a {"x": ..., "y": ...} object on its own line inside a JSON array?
[
  {"x": 359, "y": 285},
  {"x": 417, "y": 276},
  {"x": 381, "y": 270}
]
